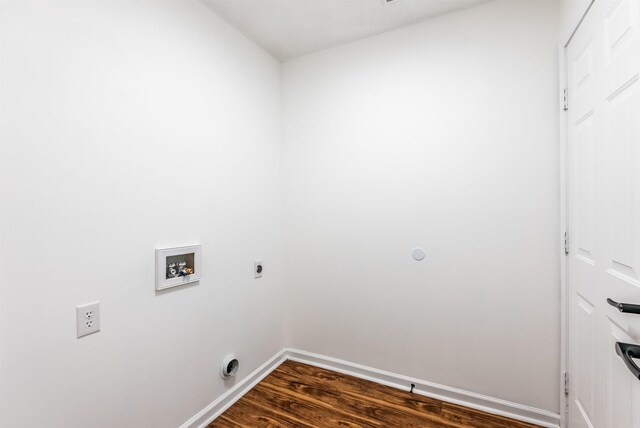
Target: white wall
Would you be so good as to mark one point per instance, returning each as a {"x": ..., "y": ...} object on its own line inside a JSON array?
[
  {"x": 441, "y": 135},
  {"x": 128, "y": 126},
  {"x": 571, "y": 12}
]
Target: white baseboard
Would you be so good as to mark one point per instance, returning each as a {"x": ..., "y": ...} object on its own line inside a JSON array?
[
  {"x": 472, "y": 400},
  {"x": 226, "y": 400}
]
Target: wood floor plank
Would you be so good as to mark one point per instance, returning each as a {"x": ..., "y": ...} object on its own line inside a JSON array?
[
  {"x": 226, "y": 421},
  {"x": 354, "y": 387},
  {"x": 309, "y": 410},
  {"x": 247, "y": 414},
  {"x": 379, "y": 403},
  {"x": 304, "y": 396},
  {"x": 303, "y": 387},
  {"x": 466, "y": 417}
]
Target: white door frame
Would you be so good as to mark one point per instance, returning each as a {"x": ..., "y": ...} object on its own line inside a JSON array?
[{"x": 564, "y": 226}]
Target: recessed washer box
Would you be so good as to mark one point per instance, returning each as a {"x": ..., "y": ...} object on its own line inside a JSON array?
[{"x": 177, "y": 266}]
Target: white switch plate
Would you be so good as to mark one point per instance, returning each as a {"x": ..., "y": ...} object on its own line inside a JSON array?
[
  {"x": 88, "y": 318},
  {"x": 257, "y": 274}
]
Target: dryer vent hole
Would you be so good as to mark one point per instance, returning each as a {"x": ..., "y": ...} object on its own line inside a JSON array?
[{"x": 230, "y": 366}]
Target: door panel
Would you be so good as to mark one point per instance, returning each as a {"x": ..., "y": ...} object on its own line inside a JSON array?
[
  {"x": 620, "y": 27},
  {"x": 603, "y": 198},
  {"x": 623, "y": 212},
  {"x": 585, "y": 362},
  {"x": 583, "y": 117},
  {"x": 585, "y": 184}
]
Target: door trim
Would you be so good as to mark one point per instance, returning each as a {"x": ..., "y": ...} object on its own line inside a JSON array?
[
  {"x": 563, "y": 80},
  {"x": 564, "y": 309}
]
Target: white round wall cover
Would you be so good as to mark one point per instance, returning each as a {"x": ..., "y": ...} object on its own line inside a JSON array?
[
  {"x": 230, "y": 366},
  {"x": 418, "y": 254}
]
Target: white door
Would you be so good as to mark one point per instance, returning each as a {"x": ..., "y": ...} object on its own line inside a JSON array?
[{"x": 603, "y": 193}]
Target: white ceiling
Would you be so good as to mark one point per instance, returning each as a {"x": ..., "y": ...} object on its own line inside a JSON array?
[{"x": 291, "y": 28}]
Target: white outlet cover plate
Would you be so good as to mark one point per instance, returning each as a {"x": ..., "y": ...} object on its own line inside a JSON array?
[{"x": 88, "y": 318}]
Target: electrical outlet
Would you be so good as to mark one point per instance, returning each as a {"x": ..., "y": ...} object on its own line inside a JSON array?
[
  {"x": 88, "y": 318},
  {"x": 257, "y": 269}
]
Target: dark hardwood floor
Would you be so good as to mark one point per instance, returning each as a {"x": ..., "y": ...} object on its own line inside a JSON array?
[{"x": 299, "y": 395}]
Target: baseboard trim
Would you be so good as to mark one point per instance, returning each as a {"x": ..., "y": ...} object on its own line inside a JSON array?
[
  {"x": 472, "y": 400},
  {"x": 205, "y": 416}
]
